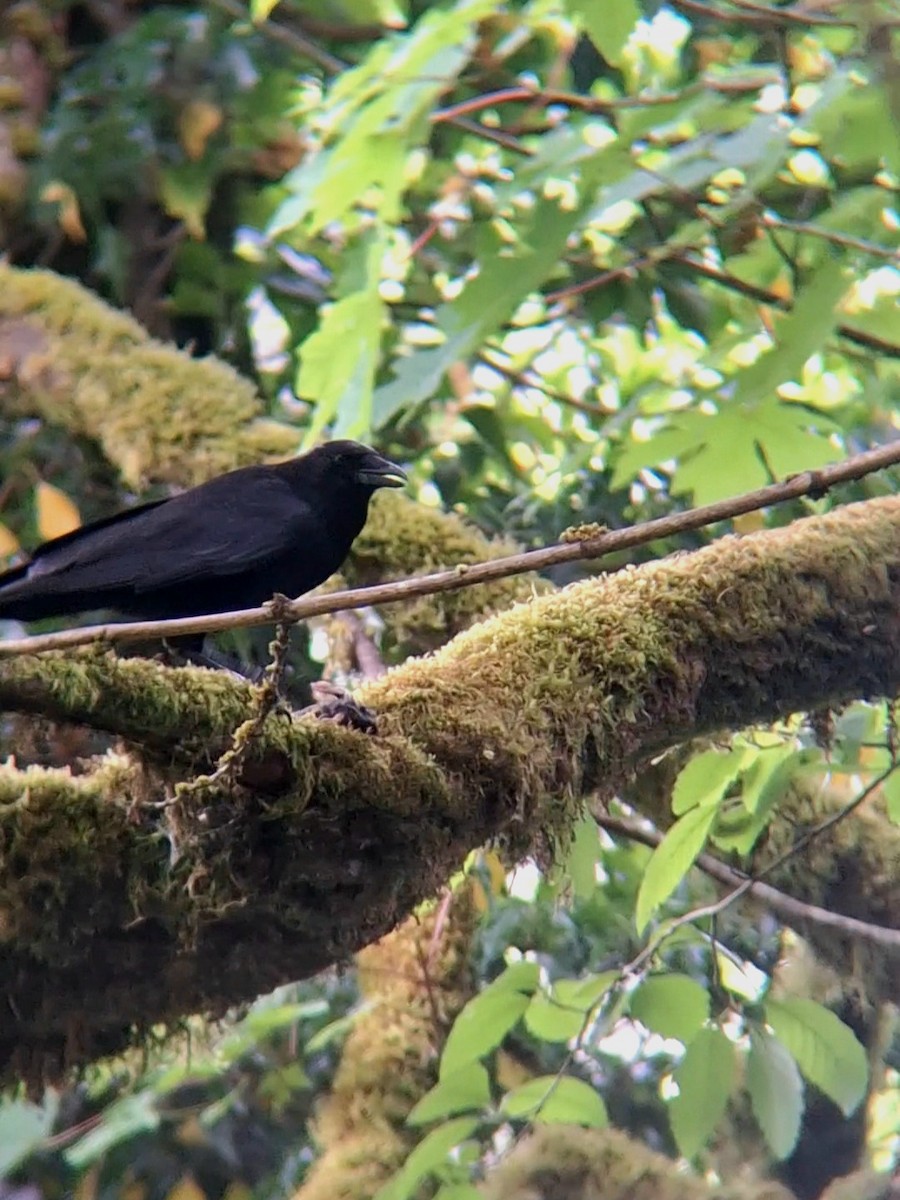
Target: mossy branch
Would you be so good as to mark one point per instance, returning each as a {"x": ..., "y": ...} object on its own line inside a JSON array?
[{"x": 330, "y": 837}]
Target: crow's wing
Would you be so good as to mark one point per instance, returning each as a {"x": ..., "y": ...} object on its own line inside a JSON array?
[{"x": 218, "y": 529}]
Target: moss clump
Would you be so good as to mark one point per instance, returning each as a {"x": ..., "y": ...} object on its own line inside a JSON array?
[
  {"x": 537, "y": 705},
  {"x": 157, "y": 413},
  {"x": 403, "y": 538},
  {"x": 414, "y": 981},
  {"x": 563, "y": 1161}
]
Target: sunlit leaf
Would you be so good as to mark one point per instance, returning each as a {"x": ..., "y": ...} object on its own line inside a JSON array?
[
  {"x": 776, "y": 1092},
  {"x": 551, "y": 1100},
  {"x": 56, "y": 512},
  {"x": 608, "y": 25},
  {"x": 671, "y": 861},
  {"x": 673, "y": 1006},
  {"x": 9, "y": 543},
  {"x": 462, "y": 1091},
  {"x": 705, "y": 1077},
  {"x": 429, "y": 1156},
  {"x": 483, "y": 1024},
  {"x": 826, "y": 1050}
]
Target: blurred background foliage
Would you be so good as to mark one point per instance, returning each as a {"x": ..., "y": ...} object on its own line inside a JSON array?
[{"x": 571, "y": 262}]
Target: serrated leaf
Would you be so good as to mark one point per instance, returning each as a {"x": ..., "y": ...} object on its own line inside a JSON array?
[
  {"x": 429, "y": 1156},
  {"x": 481, "y": 1027},
  {"x": 56, "y": 513},
  {"x": 705, "y": 1078},
  {"x": 799, "y": 334},
  {"x": 707, "y": 776},
  {"x": 671, "y": 861},
  {"x": 607, "y": 25},
  {"x": 462, "y": 1091},
  {"x": 826, "y": 1050},
  {"x": 549, "y": 1021},
  {"x": 339, "y": 383},
  {"x": 550, "y": 1100},
  {"x": 374, "y": 114},
  {"x": 776, "y": 1092},
  {"x": 671, "y": 1005}
]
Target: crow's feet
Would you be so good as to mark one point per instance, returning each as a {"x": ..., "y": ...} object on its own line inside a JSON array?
[{"x": 334, "y": 703}]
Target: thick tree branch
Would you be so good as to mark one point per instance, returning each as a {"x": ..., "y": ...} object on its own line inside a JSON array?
[{"x": 329, "y": 837}]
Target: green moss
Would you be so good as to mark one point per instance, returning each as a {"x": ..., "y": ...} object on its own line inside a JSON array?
[
  {"x": 403, "y": 538},
  {"x": 415, "y": 981},
  {"x": 604, "y": 1164},
  {"x": 157, "y": 413}
]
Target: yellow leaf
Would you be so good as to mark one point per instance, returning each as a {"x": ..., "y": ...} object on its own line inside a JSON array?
[
  {"x": 750, "y": 522},
  {"x": 9, "y": 543},
  {"x": 197, "y": 122},
  {"x": 69, "y": 213},
  {"x": 260, "y": 9},
  {"x": 186, "y": 1188},
  {"x": 56, "y": 514}
]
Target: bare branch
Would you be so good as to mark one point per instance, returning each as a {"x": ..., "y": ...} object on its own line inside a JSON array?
[{"x": 788, "y": 907}]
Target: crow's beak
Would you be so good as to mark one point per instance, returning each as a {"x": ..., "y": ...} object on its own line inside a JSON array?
[{"x": 381, "y": 472}]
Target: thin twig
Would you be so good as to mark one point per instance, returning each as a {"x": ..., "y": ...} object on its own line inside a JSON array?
[
  {"x": 779, "y": 902},
  {"x": 783, "y": 303},
  {"x": 297, "y": 42},
  {"x": 770, "y": 221},
  {"x": 807, "y": 483},
  {"x": 267, "y": 695}
]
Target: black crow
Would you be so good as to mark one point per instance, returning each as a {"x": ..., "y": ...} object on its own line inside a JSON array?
[{"x": 228, "y": 544}]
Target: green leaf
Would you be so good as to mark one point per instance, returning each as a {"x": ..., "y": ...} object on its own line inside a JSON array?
[
  {"x": 763, "y": 785},
  {"x": 671, "y": 1005},
  {"x": 826, "y": 1050},
  {"x": 580, "y": 864},
  {"x": 429, "y": 1156},
  {"x": 458, "y": 1191},
  {"x": 776, "y": 1092},
  {"x": 522, "y": 976},
  {"x": 127, "y": 1117},
  {"x": 778, "y": 429},
  {"x": 671, "y": 861},
  {"x": 551, "y": 1100},
  {"x": 799, "y": 334},
  {"x": 261, "y": 9},
  {"x": 548, "y": 1020},
  {"x": 584, "y": 993},
  {"x": 706, "y": 777},
  {"x": 481, "y": 1027},
  {"x": 338, "y": 382},
  {"x": 891, "y": 791},
  {"x": 461, "y": 1091},
  {"x": 705, "y": 1078},
  {"x": 607, "y": 25},
  {"x": 22, "y": 1129},
  {"x": 185, "y": 190},
  {"x": 374, "y": 114}
]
